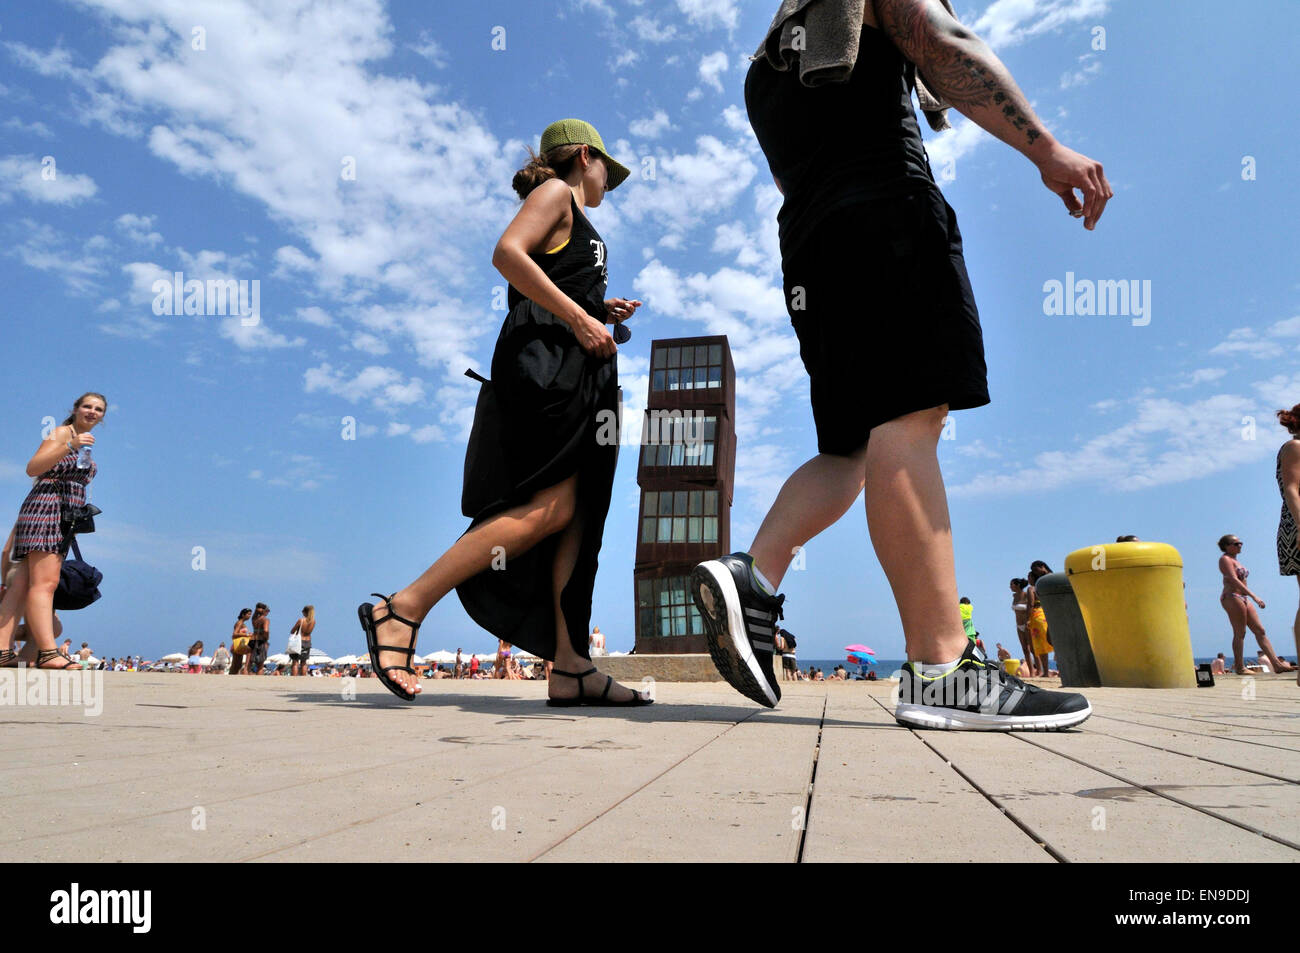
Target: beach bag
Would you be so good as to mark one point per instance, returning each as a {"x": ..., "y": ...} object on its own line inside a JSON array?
[
  {"x": 240, "y": 645},
  {"x": 486, "y": 477},
  {"x": 295, "y": 644},
  {"x": 78, "y": 582}
]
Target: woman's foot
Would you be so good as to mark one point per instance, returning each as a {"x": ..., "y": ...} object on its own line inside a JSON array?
[
  {"x": 55, "y": 660},
  {"x": 563, "y": 688},
  {"x": 398, "y": 633}
]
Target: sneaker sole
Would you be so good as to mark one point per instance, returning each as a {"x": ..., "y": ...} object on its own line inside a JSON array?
[
  {"x": 949, "y": 719},
  {"x": 715, "y": 595}
]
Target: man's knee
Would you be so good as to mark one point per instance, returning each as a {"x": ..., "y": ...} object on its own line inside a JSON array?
[{"x": 928, "y": 423}]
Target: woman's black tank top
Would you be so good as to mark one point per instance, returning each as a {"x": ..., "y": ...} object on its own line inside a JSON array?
[
  {"x": 840, "y": 143},
  {"x": 577, "y": 268}
]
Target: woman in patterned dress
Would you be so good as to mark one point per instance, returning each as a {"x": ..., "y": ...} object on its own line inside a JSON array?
[
  {"x": 38, "y": 537},
  {"x": 1288, "y": 484}
]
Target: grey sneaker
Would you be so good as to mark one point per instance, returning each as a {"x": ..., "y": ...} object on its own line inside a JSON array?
[
  {"x": 977, "y": 695},
  {"x": 740, "y": 621}
]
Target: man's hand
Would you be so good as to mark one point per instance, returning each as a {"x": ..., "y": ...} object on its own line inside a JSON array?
[{"x": 1064, "y": 170}]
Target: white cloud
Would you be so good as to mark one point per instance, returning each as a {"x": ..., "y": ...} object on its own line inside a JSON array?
[
  {"x": 429, "y": 48},
  {"x": 711, "y": 13},
  {"x": 1165, "y": 442},
  {"x": 1008, "y": 22},
  {"x": 1090, "y": 67},
  {"x": 951, "y": 145},
  {"x": 138, "y": 228},
  {"x": 651, "y": 128},
  {"x": 711, "y": 67},
  {"x": 32, "y": 178},
  {"x": 382, "y": 386},
  {"x": 651, "y": 31},
  {"x": 29, "y": 129},
  {"x": 40, "y": 246},
  {"x": 316, "y": 316},
  {"x": 688, "y": 188},
  {"x": 1247, "y": 342}
]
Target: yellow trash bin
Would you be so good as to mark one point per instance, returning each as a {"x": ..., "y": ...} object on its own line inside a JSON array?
[{"x": 1131, "y": 599}]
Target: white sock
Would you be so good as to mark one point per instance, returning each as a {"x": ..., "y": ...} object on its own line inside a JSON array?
[
  {"x": 762, "y": 581},
  {"x": 935, "y": 669}
]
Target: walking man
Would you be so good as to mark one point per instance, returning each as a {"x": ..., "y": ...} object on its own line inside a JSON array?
[{"x": 879, "y": 297}]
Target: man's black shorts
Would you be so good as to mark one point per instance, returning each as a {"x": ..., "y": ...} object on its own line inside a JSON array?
[{"x": 887, "y": 325}]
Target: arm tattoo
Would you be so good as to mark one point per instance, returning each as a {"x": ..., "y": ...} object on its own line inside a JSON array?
[{"x": 918, "y": 30}]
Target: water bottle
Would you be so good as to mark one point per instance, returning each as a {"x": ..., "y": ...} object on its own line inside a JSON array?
[{"x": 83, "y": 458}]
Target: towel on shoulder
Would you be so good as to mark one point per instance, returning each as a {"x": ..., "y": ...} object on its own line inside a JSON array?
[{"x": 820, "y": 39}]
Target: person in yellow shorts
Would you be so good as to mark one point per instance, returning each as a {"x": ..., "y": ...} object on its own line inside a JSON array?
[{"x": 1037, "y": 623}]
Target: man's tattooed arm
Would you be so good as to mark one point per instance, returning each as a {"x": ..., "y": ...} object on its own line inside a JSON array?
[{"x": 960, "y": 68}]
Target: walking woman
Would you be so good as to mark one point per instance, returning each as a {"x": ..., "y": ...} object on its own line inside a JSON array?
[
  {"x": 1235, "y": 600},
  {"x": 1288, "y": 484},
  {"x": 239, "y": 642},
  {"x": 541, "y": 462},
  {"x": 38, "y": 534}
]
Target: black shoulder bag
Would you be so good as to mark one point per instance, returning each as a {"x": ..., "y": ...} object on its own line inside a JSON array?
[{"x": 78, "y": 580}]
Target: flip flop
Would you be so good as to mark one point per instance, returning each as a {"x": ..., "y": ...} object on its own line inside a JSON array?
[
  {"x": 636, "y": 701},
  {"x": 368, "y": 623}
]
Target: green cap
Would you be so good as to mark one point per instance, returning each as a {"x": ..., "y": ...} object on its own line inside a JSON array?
[{"x": 575, "y": 132}]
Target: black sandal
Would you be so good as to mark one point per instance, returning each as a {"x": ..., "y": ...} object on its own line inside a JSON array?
[
  {"x": 372, "y": 643},
  {"x": 8, "y": 658},
  {"x": 603, "y": 701},
  {"x": 45, "y": 655}
]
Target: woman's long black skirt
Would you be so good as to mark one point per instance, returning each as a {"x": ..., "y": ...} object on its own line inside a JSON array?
[{"x": 550, "y": 411}]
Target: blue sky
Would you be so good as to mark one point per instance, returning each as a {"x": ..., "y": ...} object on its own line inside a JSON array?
[{"x": 376, "y": 291}]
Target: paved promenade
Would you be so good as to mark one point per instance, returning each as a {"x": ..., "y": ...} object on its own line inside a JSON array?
[{"x": 215, "y": 768}]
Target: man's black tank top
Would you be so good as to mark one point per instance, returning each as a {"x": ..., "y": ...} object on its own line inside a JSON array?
[
  {"x": 840, "y": 143},
  {"x": 577, "y": 268}
]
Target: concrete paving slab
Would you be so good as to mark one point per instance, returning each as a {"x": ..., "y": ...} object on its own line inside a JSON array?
[
  {"x": 291, "y": 769},
  {"x": 1085, "y": 815},
  {"x": 883, "y": 796}
]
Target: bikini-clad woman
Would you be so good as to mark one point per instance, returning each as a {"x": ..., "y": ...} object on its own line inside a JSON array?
[
  {"x": 1235, "y": 599},
  {"x": 1020, "y": 605}
]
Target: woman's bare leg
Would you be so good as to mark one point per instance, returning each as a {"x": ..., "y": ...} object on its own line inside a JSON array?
[
  {"x": 508, "y": 534},
  {"x": 813, "y": 498},
  {"x": 1295, "y": 628},
  {"x": 1237, "y": 617},
  {"x": 907, "y": 516},
  {"x": 43, "y": 578},
  {"x": 566, "y": 657},
  {"x": 11, "y": 607},
  {"x": 1257, "y": 627}
]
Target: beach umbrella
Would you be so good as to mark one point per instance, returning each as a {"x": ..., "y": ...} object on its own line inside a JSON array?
[
  {"x": 317, "y": 657},
  {"x": 857, "y": 658},
  {"x": 346, "y": 660},
  {"x": 280, "y": 659},
  {"x": 859, "y": 648},
  {"x": 205, "y": 660},
  {"x": 174, "y": 657}
]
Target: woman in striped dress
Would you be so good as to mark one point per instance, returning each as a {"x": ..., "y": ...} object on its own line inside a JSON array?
[{"x": 38, "y": 538}]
